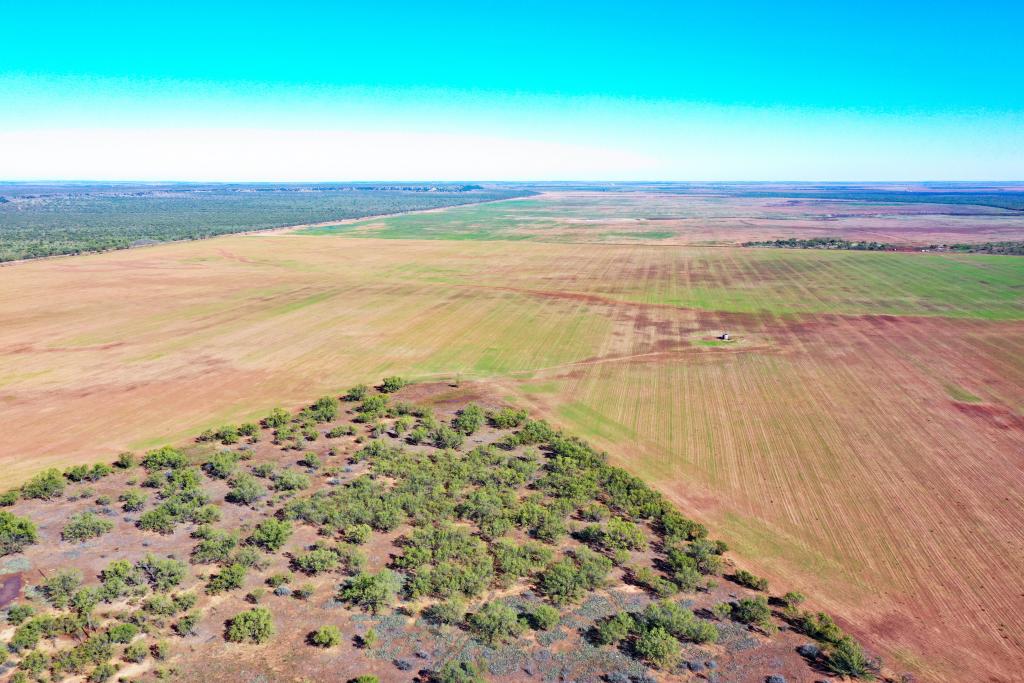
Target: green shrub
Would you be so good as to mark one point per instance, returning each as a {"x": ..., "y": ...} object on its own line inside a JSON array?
[
  {"x": 358, "y": 533},
  {"x": 341, "y": 430},
  {"x": 164, "y": 458},
  {"x": 222, "y": 465},
  {"x": 252, "y": 626},
  {"x": 507, "y": 418},
  {"x": 614, "y": 629},
  {"x": 820, "y": 626},
  {"x": 659, "y": 647},
  {"x": 215, "y": 547},
  {"x": 469, "y": 419},
  {"x": 245, "y": 490},
  {"x": 357, "y": 393},
  {"x": 162, "y": 573},
  {"x": 59, "y": 587},
  {"x": 46, "y": 485},
  {"x": 624, "y": 535},
  {"x": 793, "y": 599},
  {"x": 316, "y": 561},
  {"x": 85, "y": 526},
  {"x": 745, "y": 578},
  {"x": 230, "y": 578},
  {"x": 496, "y": 623},
  {"x": 135, "y": 653},
  {"x": 227, "y": 435},
  {"x": 372, "y": 592},
  {"x": 678, "y": 621},
  {"x": 324, "y": 410},
  {"x": 122, "y": 633},
  {"x": 133, "y": 500},
  {"x": 451, "y": 611},
  {"x": 753, "y": 611},
  {"x": 658, "y": 585},
  {"x": 543, "y": 617},
  {"x": 18, "y": 613},
  {"x": 326, "y": 636},
  {"x": 125, "y": 460},
  {"x": 187, "y": 625},
  {"x": 278, "y": 417},
  {"x": 392, "y": 384},
  {"x": 161, "y": 650},
  {"x": 103, "y": 672},
  {"x": 265, "y": 470},
  {"x": 271, "y": 534},
  {"x": 458, "y": 672},
  {"x": 418, "y": 435},
  {"x": 15, "y": 533},
  {"x": 446, "y": 437},
  {"x": 846, "y": 658},
  {"x": 290, "y": 480}
]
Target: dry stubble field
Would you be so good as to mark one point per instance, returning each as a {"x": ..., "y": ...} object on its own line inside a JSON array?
[{"x": 860, "y": 439}]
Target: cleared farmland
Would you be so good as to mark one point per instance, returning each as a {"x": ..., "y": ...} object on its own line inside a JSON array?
[
  {"x": 860, "y": 438},
  {"x": 697, "y": 219}
]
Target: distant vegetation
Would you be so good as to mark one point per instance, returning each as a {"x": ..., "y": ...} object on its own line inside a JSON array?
[
  {"x": 822, "y": 243},
  {"x": 1009, "y": 248},
  {"x": 1004, "y": 248},
  {"x": 47, "y": 220}
]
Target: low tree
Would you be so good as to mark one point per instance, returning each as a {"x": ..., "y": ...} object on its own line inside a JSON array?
[
  {"x": 271, "y": 534},
  {"x": 85, "y": 526},
  {"x": 543, "y": 617},
  {"x": 469, "y": 419},
  {"x": 507, "y": 418},
  {"x": 847, "y": 658},
  {"x": 495, "y": 623},
  {"x": 446, "y": 437},
  {"x": 451, "y": 611},
  {"x": 133, "y": 500},
  {"x": 16, "y": 533},
  {"x": 278, "y": 417},
  {"x": 316, "y": 561},
  {"x": 324, "y": 410},
  {"x": 46, "y": 485},
  {"x": 230, "y": 578},
  {"x": 392, "y": 384},
  {"x": 614, "y": 629},
  {"x": 326, "y": 636},
  {"x": 745, "y": 578},
  {"x": 245, "y": 490},
  {"x": 372, "y": 592},
  {"x": 659, "y": 647},
  {"x": 252, "y": 626},
  {"x": 458, "y": 672},
  {"x": 754, "y": 611},
  {"x": 357, "y": 393}
]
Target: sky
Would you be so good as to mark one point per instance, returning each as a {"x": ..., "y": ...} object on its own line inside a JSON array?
[{"x": 317, "y": 91}]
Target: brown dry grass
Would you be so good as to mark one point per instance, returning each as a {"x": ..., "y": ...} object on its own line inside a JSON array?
[{"x": 826, "y": 443}]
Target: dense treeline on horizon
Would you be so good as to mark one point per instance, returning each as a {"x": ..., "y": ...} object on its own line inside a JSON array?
[{"x": 38, "y": 220}]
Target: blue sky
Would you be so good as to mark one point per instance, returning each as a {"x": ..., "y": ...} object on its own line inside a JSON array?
[{"x": 319, "y": 91}]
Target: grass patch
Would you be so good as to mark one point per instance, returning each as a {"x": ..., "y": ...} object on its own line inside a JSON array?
[{"x": 958, "y": 393}]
